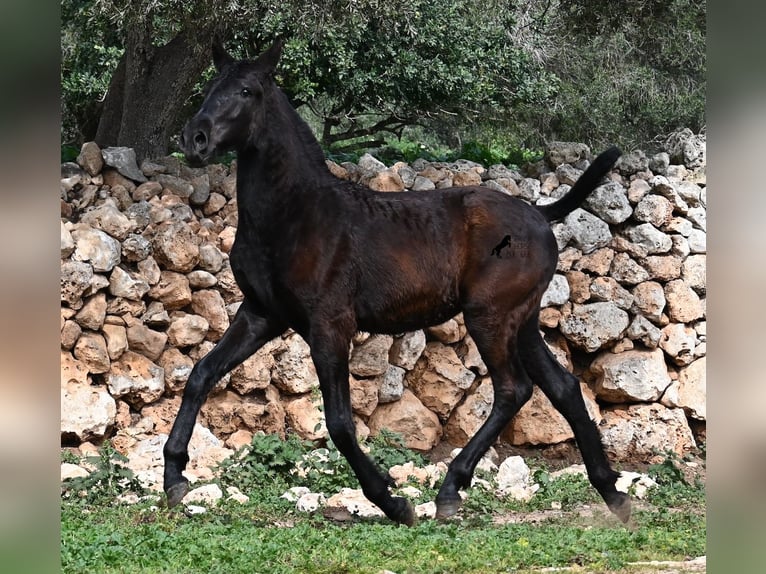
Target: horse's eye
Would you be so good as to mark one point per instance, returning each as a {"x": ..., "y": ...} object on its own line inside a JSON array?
[{"x": 245, "y": 92}]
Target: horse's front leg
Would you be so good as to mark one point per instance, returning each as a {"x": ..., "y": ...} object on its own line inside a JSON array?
[
  {"x": 247, "y": 333},
  {"x": 330, "y": 353}
]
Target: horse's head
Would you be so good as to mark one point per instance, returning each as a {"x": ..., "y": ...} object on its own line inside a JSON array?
[{"x": 232, "y": 112}]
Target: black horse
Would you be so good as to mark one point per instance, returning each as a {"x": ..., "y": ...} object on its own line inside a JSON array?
[{"x": 302, "y": 260}]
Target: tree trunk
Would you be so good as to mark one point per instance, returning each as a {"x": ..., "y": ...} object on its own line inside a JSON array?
[{"x": 148, "y": 90}]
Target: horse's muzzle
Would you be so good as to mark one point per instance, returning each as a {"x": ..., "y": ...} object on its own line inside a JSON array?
[{"x": 195, "y": 142}]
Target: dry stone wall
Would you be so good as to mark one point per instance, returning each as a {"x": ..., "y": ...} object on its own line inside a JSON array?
[{"x": 147, "y": 290}]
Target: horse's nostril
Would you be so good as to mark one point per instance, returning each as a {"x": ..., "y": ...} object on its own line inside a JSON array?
[{"x": 200, "y": 141}]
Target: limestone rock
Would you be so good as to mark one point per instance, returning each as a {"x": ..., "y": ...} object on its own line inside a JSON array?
[
  {"x": 439, "y": 379},
  {"x": 684, "y": 305},
  {"x": 679, "y": 341},
  {"x": 557, "y": 292},
  {"x": 689, "y": 391},
  {"x": 255, "y": 372},
  {"x": 371, "y": 357},
  {"x": 210, "y": 258},
  {"x": 127, "y": 284},
  {"x": 146, "y": 341},
  {"x": 514, "y": 479},
  {"x": 305, "y": 417},
  {"x": 607, "y": 289},
  {"x": 87, "y": 411},
  {"x": 406, "y": 350},
  {"x": 91, "y": 350},
  {"x": 633, "y": 162},
  {"x": 364, "y": 396},
  {"x": 594, "y": 325},
  {"x": 609, "y": 202},
  {"x": 294, "y": 371},
  {"x": 136, "y": 248},
  {"x": 227, "y": 412},
  {"x": 468, "y": 416},
  {"x": 539, "y": 423},
  {"x": 627, "y": 271},
  {"x": 650, "y": 238},
  {"x": 136, "y": 378},
  {"x": 102, "y": 251},
  {"x": 565, "y": 152},
  {"x": 469, "y": 354},
  {"x": 187, "y": 330},
  {"x": 649, "y": 300},
  {"x": 447, "y": 332},
  {"x": 567, "y": 175},
  {"x": 663, "y": 267},
  {"x": 123, "y": 159},
  {"x": 90, "y": 158},
  {"x": 654, "y": 209},
  {"x": 391, "y": 384},
  {"x": 598, "y": 261},
  {"x": 637, "y": 190},
  {"x": 641, "y": 329},
  {"x": 109, "y": 219},
  {"x": 172, "y": 290},
  {"x": 200, "y": 279},
  {"x": 579, "y": 286},
  {"x": 209, "y": 494},
  {"x": 529, "y": 189},
  {"x": 176, "y": 246},
  {"x": 686, "y": 148},
  {"x": 642, "y": 431},
  {"x": 209, "y": 304},
  {"x": 411, "y": 419},
  {"x": 693, "y": 272},
  {"x": 586, "y": 231},
  {"x": 630, "y": 376},
  {"x": 386, "y": 180},
  {"x": 93, "y": 312},
  {"x": 349, "y": 503},
  {"x": 177, "y": 368},
  {"x": 70, "y": 332}
]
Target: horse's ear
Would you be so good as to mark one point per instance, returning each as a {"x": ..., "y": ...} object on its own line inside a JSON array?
[
  {"x": 270, "y": 58},
  {"x": 221, "y": 57}
]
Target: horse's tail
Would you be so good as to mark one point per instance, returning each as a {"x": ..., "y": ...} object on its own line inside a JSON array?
[{"x": 587, "y": 182}]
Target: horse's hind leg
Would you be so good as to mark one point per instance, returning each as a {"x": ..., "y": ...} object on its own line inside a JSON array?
[
  {"x": 512, "y": 388},
  {"x": 247, "y": 333},
  {"x": 563, "y": 390}
]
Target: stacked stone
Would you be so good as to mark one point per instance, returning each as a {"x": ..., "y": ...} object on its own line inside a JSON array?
[{"x": 146, "y": 290}]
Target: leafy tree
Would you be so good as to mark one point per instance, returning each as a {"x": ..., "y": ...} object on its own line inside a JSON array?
[
  {"x": 506, "y": 74},
  {"x": 362, "y": 66},
  {"x": 629, "y": 71}
]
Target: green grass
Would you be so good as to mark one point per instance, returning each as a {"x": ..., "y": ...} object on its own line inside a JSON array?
[{"x": 268, "y": 535}]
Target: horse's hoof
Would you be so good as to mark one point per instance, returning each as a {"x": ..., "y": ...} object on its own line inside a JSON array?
[
  {"x": 447, "y": 509},
  {"x": 620, "y": 506},
  {"x": 176, "y": 493},
  {"x": 406, "y": 513}
]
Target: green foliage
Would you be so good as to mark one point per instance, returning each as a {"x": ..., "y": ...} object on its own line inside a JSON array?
[
  {"x": 463, "y": 71},
  {"x": 673, "y": 487},
  {"x": 496, "y": 152},
  {"x": 626, "y": 76},
  {"x": 268, "y": 535},
  {"x": 267, "y": 459},
  {"x": 567, "y": 490},
  {"x": 90, "y": 51},
  {"x": 109, "y": 479},
  {"x": 387, "y": 449},
  {"x": 296, "y": 462}
]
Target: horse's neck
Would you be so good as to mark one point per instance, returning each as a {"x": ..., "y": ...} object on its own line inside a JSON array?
[{"x": 285, "y": 167}]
